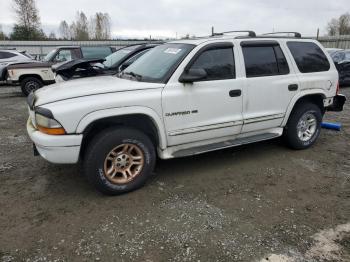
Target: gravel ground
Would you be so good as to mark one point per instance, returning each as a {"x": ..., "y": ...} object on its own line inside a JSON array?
[{"x": 260, "y": 202}]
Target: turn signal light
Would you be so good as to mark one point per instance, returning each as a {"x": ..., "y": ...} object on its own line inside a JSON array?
[{"x": 52, "y": 131}]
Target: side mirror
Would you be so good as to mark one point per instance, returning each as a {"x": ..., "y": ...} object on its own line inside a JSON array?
[{"x": 192, "y": 75}]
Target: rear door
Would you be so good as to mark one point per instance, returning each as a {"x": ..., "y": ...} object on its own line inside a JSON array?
[{"x": 270, "y": 84}]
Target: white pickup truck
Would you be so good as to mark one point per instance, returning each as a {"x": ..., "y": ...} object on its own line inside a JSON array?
[
  {"x": 184, "y": 98},
  {"x": 32, "y": 76}
]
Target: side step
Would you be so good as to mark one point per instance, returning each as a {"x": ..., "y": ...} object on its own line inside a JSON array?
[{"x": 225, "y": 144}]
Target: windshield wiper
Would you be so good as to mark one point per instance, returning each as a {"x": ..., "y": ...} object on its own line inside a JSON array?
[{"x": 134, "y": 75}]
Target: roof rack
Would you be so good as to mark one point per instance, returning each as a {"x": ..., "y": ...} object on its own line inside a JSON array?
[
  {"x": 250, "y": 33},
  {"x": 296, "y": 34}
]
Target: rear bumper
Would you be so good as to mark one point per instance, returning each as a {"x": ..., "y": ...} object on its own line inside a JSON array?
[
  {"x": 63, "y": 149},
  {"x": 338, "y": 103}
]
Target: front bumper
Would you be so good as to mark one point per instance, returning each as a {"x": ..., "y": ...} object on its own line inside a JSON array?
[
  {"x": 62, "y": 149},
  {"x": 338, "y": 103}
]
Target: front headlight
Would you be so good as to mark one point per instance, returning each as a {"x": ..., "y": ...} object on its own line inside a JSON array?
[{"x": 48, "y": 125}]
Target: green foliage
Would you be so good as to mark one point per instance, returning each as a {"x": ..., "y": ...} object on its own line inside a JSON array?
[
  {"x": 24, "y": 33},
  {"x": 28, "y": 21},
  {"x": 3, "y": 36}
]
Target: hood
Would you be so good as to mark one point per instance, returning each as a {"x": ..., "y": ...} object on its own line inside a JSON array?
[
  {"x": 74, "y": 64},
  {"x": 29, "y": 64},
  {"x": 87, "y": 87}
]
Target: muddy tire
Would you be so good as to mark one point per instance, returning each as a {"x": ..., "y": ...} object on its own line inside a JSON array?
[
  {"x": 304, "y": 126},
  {"x": 30, "y": 84},
  {"x": 119, "y": 160}
]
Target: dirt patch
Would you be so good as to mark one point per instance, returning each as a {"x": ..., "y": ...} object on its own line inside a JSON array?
[{"x": 239, "y": 204}]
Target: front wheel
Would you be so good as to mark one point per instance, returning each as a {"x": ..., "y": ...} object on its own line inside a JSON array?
[
  {"x": 119, "y": 160},
  {"x": 304, "y": 126},
  {"x": 30, "y": 84}
]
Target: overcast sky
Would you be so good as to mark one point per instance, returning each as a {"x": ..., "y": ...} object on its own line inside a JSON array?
[{"x": 165, "y": 18}]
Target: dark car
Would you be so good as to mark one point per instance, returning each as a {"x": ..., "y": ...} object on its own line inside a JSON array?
[
  {"x": 341, "y": 60},
  {"x": 67, "y": 53},
  {"x": 112, "y": 64}
]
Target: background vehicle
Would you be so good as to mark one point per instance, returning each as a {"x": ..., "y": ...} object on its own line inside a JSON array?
[
  {"x": 8, "y": 57},
  {"x": 185, "y": 98},
  {"x": 32, "y": 76},
  {"x": 112, "y": 64},
  {"x": 341, "y": 58}
]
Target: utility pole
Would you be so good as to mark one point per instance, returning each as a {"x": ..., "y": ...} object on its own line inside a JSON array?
[
  {"x": 318, "y": 33},
  {"x": 212, "y": 30}
]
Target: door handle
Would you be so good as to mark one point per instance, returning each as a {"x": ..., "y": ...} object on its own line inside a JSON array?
[
  {"x": 293, "y": 87},
  {"x": 235, "y": 93}
]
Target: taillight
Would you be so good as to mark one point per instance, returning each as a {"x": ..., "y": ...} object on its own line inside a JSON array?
[{"x": 337, "y": 88}]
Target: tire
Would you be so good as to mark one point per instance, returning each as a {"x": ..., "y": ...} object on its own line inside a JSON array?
[
  {"x": 106, "y": 151},
  {"x": 307, "y": 116},
  {"x": 30, "y": 84}
]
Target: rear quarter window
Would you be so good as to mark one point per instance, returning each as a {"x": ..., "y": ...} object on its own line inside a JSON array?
[
  {"x": 4, "y": 55},
  {"x": 309, "y": 57},
  {"x": 96, "y": 52}
]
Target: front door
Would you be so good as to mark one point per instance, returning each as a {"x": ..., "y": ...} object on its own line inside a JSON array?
[{"x": 209, "y": 108}]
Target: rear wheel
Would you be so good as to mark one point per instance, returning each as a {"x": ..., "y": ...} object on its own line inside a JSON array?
[
  {"x": 304, "y": 126},
  {"x": 119, "y": 160},
  {"x": 30, "y": 84}
]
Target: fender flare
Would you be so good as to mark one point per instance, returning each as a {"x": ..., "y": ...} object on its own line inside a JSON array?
[
  {"x": 299, "y": 96},
  {"x": 123, "y": 111},
  {"x": 24, "y": 76}
]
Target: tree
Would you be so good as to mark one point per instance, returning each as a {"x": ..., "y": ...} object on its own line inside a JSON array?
[
  {"x": 100, "y": 26},
  {"x": 23, "y": 33},
  {"x": 52, "y": 36},
  {"x": 80, "y": 28},
  {"x": 340, "y": 26},
  {"x": 332, "y": 27},
  {"x": 344, "y": 24},
  {"x": 2, "y": 34},
  {"x": 64, "y": 30},
  {"x": 28, "y": 21}
]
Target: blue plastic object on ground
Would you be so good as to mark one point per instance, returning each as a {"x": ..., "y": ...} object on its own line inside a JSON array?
[{"x": 333, "y": 126}]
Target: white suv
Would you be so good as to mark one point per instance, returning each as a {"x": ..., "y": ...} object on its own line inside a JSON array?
[{"x": 184, "y": 98}]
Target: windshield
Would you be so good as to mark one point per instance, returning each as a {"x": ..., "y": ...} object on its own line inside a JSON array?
[
  {"x": 158, "y": 63},
  {"x": 338, "y": 56},
  {"x": 50, "y": 55},
  {"x": 118, "y": 55}
]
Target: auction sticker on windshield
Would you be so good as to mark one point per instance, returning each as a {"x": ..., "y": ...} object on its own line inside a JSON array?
[{"x": 173, "y": 51}]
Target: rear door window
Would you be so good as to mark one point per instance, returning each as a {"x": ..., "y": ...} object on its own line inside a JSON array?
[
  {"x": 264, "y": 60},
  {"x": 309, "y": 57}
]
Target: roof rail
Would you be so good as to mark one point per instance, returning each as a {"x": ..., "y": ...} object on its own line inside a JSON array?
[
  {"x": 296, "y": 34},
  {"x": 250, "y": 33}
]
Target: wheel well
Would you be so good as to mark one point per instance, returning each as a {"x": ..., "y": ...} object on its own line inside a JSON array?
[
  {"x": 26, "y": 76},
  {"x": 316, "y": 99},
  {"x": 138, "y": 121}
]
